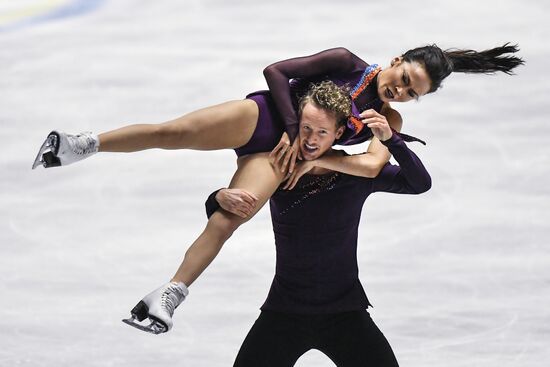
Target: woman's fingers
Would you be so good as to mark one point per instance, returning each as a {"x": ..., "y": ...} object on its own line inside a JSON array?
[
  {"x": 374, "y": 119},
  {"x": 381, "y": 130},
  {"x": 369, "y": 113}
]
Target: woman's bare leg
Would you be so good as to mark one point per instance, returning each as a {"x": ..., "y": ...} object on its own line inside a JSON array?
[
  {"x": 254, "y": 174},
  {"x": 227, "y": 125}
]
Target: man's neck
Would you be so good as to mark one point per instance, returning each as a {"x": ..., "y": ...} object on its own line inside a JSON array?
[{"x": 321, "y": 170}]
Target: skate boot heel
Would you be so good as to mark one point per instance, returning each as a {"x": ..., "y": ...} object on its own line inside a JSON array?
[
  {"x": 50, "y": 160},
  {"x": 140, "y": 311}
]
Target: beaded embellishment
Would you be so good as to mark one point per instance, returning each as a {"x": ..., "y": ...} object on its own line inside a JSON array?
[
  {"x": 370, "y": 72},
  {"x": 316, "y": 186}
]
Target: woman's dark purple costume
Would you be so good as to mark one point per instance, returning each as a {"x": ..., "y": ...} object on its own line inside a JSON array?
[{"x": 290, "y": 79}]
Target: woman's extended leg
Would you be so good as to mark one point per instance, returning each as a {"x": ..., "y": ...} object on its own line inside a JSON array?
[
  {"x": 254, "y": 174},
  {"x": 227, "y": 125}
]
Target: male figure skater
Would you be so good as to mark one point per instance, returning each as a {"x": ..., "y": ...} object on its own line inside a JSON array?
[{"x": 316, "y": 300}]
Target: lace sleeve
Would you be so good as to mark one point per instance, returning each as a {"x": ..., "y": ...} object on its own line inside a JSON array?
[{"x": 278, "y": 75}]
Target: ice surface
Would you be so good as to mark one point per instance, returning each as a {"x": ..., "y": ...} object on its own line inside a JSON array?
[{"x": 459, "y": 276}]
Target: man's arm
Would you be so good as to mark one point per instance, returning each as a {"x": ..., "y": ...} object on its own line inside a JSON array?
[
  {"x": 410, "y": 177},
  {"x": 237, "y": 201}
]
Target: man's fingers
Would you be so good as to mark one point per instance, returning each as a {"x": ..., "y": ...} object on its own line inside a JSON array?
[
  {"x": 294, "y": 181},
  {"x": 248, "y": 199},
  {"x": 252, "y": 195},
  {"x": 293, "y": 161},
  {"x": 282, "y": 152},
  {"x": 245, "y": 205},
  {"x": 276, "y": 150},
  {"x": 289, "y": 180},
  {"x": 288, "y": 157},
  {"x": 241, "y": 214}
]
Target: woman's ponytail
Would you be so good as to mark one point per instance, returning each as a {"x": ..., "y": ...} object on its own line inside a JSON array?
[
  {"x": 485, "y": 62},
  {"x": 439, "y": 64}
]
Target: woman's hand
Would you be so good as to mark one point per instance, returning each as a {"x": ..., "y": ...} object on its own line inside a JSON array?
[
  {"x": 302, "y": 168},
  {"x": 237, "y": 201},
  {"x": 377, "y": 123},
  {"x": 285, "y": 153}
]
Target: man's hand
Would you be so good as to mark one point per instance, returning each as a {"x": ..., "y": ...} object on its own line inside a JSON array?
[
  {"x": 377, "y": 123},
  {"x": 302, "y": 168},
  {"x": 285, "y": 153},
  {"x": 237, "y": 201}
]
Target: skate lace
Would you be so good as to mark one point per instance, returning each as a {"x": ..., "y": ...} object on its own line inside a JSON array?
[
  {"x": 82, "y": 143},
  {"x": 171, "y": 298}
]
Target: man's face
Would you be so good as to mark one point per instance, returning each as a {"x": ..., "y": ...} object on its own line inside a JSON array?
[{"x": 318, "y": 131}]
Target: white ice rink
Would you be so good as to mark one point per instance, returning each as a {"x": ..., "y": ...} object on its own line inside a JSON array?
[{"x": 459, "y": 276}]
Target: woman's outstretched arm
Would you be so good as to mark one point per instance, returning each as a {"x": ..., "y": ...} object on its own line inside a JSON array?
[
  {"x": 377, "y": 155},
  {"x": 279, "y": 74},
  {"x": 368, "y": 164}
]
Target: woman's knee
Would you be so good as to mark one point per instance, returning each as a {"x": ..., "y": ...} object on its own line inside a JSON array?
[
  {"x": 222, "y": 224},
  {"x": 172, "y": 136}
]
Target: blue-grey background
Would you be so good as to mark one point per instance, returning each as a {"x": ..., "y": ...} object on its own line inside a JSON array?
[{"x": 458, "y": 276}]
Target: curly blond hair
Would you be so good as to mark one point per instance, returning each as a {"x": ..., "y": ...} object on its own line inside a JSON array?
[{"x": 330, "y": 97}]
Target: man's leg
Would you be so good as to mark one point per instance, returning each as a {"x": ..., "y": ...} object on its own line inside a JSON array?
[
  {"x": 353, "y": 340},
  {"x": 275, "y": 340}
]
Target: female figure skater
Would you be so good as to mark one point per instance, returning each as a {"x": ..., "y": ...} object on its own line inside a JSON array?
[{"x": 267, "y": 121}]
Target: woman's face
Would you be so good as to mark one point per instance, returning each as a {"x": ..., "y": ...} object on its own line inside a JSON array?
[
  {"x": 318, "y": 131},
  {"x": 403, "y": 81}
]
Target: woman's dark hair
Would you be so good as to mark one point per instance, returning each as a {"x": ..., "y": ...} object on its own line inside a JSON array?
[{"x": 439, "y": 63}]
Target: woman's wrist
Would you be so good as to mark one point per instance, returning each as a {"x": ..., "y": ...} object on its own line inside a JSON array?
[{"x": 320, "y": 162}]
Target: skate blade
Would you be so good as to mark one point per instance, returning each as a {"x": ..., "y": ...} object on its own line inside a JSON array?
[
  {"x": 46, "y": 157},
  {"x": 153, "y": 328}
]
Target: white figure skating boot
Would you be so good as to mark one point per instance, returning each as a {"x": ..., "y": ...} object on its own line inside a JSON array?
[
  {"x": 61, "y": 149},
  {"x": 159, "y": 307}
]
